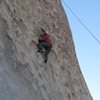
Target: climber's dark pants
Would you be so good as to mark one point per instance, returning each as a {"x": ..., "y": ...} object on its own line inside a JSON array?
[{"x": 44, "y": 45}]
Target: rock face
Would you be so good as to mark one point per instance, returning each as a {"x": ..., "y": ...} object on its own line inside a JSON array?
[{"x": 23, "y": 73}]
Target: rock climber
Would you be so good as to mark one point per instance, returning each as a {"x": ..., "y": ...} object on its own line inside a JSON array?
[{"x": 44, "y": 43}]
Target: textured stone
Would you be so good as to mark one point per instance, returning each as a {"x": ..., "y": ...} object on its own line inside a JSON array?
[{"x": 23, "y": 74}]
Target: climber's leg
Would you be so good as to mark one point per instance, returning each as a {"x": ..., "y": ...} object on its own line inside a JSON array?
[
  {"x": 47, "y": 51},
  {"x": 47, "y": 47},
  {"x": 40, "y": 47}
]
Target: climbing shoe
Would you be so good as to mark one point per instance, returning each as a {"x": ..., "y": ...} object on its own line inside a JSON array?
[
  {"x": 40, "y": 51},
  {"x": 45, "y": 61}
]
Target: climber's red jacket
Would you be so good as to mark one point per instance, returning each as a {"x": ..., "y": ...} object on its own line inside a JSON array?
[{"x": 46, "y": 37}]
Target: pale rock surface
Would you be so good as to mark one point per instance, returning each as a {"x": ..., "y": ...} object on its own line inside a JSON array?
[{"x": 23, "y": 74}]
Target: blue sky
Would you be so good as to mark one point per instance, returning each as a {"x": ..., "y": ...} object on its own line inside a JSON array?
[{"x": 87, "y": 48}]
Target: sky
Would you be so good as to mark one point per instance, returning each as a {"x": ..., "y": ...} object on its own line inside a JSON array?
[{"x": 87, "y": 48}]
